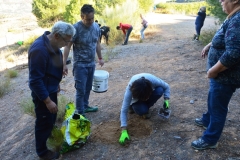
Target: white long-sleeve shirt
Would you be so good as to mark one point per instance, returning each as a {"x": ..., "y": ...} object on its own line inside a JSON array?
[{"x": 128, "y": 99}]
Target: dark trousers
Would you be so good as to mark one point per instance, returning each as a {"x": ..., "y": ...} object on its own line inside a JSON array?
[
  {"x": 44, "y": 123},
  {"x": 142, "y": 107},
  {"x": 127, "y": 35},
  {"x": 198, "y": 29}
]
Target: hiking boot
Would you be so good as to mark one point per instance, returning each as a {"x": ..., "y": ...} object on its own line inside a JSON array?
[
  {"x": 200, "y": 144},
  {"x": 50, "y": 155},
  {"x": 199, "y": 122},
  {"x": 90, "y": 109},
  {"x": 146, "y": 116}
]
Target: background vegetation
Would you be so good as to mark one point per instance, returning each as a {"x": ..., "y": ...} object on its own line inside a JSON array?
[{"x": 112, "y": 12}]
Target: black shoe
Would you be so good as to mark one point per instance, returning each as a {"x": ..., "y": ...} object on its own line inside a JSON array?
[
  {"x": 50, "y": 155},
  {"x": 199, "y": 122},
  {"x": 130, "y": 110},
  {"x": 124, "y": 44},
  {"x": 200, "y": 144}
]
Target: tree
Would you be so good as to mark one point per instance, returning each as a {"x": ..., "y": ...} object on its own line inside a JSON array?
[
  {"x": 145, "y": 5},
  {"x": 216, "y": 10},
  {"x": 48, "y": 12}
]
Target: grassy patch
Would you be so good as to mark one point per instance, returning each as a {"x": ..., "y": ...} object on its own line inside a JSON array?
[
  {"x": 11, "y": 73},
  {"x": 28, "y": 107},
  {"x": 109, "y": 53},
  {"x": 4, "y": 86},
  {"x": 11, "y": 58}
]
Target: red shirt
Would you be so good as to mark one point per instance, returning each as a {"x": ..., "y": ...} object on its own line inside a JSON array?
[{"x": 125, "y": 27}]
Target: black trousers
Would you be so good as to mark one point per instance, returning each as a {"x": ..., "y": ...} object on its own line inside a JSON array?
[{"x": 44, "y": 123}]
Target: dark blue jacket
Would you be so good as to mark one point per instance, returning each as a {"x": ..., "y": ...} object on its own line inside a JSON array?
[
  {"x": 226, "y": 49},
  {"x": 200, "y": 19},
  {"x": 45, "y": 67}
]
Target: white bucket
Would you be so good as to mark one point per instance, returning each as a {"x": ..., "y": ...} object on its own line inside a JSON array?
[{"x": 100, "y": 81}]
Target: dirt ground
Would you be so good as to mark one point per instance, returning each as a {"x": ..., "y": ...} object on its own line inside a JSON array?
[{"x": 169, "y": 53}]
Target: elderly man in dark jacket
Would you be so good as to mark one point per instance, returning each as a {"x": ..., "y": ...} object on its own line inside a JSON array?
[{"x": 45, "y": 73}]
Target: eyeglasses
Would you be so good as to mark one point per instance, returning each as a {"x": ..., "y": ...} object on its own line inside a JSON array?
[{"x": 64, "y": 39}]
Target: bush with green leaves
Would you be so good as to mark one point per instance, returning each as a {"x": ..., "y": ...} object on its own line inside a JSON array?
[
  {"x": 48, "y": 11},
  {"x": 216, "y": 10}
]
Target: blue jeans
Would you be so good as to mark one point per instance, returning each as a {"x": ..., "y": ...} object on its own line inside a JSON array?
[
  {"x": 198, "y": 29},
  {"x": 142, "y": 32},
  {"x": 127, "y": 35},
  {"x": 83, "y": 77},
  {"x": 142, "y": 107},
  {"x": 44, "y": 123},
  {"x": 218, "y": 99}
]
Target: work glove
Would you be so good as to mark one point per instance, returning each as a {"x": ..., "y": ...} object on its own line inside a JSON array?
[
  {"x": 166, "y": 104},
  {"x": 123, "y": 137}
]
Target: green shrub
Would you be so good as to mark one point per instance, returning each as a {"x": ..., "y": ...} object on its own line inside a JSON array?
[
  {"x": 11, "y": 73},
  {"x": 206, "y": 36},
  {"x": 4, "y": 86},
  {"x": 181, "y": 8}
]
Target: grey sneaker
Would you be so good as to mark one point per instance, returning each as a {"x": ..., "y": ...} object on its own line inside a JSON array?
[
  {"x": 199, "y": 122},
  {"x": 200, "y": 144}
]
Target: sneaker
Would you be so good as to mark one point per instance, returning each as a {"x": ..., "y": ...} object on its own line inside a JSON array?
[
  {"x": 50, "y": 155},
  {"x": 124, "y": 44},
  {"x": 146, "y": 116},
  {"x": 90, "y": 109},
  {"x": 200, "y": 144},
  {"x": 199, "y": 122}
]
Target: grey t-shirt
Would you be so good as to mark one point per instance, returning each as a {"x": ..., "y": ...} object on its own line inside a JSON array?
[{"x": 85, "y": 43}]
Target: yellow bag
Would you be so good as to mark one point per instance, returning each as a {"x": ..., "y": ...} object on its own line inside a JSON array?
[{"x": 75, "y": 128}]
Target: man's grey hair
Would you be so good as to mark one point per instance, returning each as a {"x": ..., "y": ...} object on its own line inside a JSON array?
[{"x": 63, "y": 29}]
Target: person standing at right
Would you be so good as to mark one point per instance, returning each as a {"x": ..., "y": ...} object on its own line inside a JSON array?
[
  {"x": 224, "y": 74},
  {"x": 199, "y": 22},
  {"x": 86, "y": 43},
  {"x": 125, "y": 27},
  {"x": 144, "y": 26}
]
